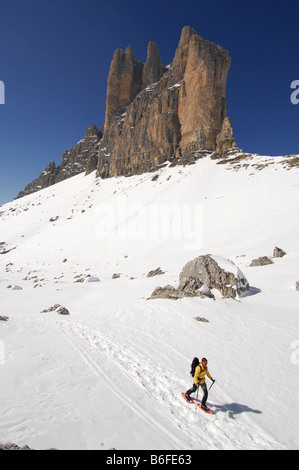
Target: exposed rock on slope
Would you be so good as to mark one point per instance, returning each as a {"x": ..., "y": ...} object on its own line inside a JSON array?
[
  {"x": 278, "y": 252},
  {"x": 217, "y": 273},
  {"x": 225, "y": 140},
  {"x": 261, "y": 261},
  {"x": 203, "y": 274},
  {"x": 11, "y": 446},
  {"x": 45, "y": 179},
  {"x": 74, "y": 161}
]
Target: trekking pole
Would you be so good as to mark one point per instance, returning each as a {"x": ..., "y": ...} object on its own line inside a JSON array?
[
  {"x": 196, "y": 401},
  {"x": 212, "y": 384},
  {"x": 197, "y": 394}
]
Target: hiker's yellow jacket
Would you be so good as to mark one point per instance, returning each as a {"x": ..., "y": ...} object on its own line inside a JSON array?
[{"x": 200, "y": 373}]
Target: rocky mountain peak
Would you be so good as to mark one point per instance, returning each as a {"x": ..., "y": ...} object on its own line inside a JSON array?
[
  {"x": 92, "y": 132},
  {"x": 124, "y": 83},
  {"x": 186, "y": 34},
  {"x": 153, "y": 69},
  {"x": 129, "y": 54},
  {"x": 154, "y": 114}
]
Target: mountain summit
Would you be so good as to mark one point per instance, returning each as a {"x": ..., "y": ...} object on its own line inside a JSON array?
[{"x": 154, "y": 113}]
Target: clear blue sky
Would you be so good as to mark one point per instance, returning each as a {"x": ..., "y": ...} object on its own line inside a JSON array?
[{"x": 55, "y": 57}]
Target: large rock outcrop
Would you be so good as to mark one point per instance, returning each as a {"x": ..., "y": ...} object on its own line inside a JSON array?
[
  {"x": 203, "y": 274},
  {"x": 156, "y": 114}
]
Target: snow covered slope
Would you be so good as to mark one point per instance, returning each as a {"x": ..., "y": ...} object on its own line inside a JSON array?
[{"x": 111, "y": 373}]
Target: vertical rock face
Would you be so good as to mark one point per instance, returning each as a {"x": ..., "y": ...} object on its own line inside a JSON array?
[
  {"x": 202, "y": 104},
  {"x": 225, "y": 139},
  {"x": 124, "y": 83},
  {"x": 153, "y": 69},
  {"x": 155, "y": 114}
]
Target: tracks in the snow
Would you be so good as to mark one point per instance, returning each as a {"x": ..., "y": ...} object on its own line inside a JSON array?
[
  {"x": 145, "y": 368},
  {"x": 106, "y": 344}
]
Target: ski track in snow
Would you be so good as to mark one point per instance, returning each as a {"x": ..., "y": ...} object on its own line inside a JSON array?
[
  {"x": 94, "y": 339},
  {"x": 218, "y": 431}
]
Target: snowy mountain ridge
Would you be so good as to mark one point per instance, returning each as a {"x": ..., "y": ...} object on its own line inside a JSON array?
[{"x": 110, "y": 374}]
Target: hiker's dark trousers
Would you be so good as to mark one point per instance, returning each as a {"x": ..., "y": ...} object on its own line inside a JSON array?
[{"x": 204, "y": 389}]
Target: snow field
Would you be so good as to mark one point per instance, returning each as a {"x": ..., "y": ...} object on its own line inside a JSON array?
[{"x": 110, "y": 375}]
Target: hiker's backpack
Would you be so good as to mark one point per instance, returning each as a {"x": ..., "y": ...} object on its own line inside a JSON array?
[{"x": 193, "y": 366}]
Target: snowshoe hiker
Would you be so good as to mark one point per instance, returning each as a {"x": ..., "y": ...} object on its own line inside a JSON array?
[{"x": 201, "y": 371}]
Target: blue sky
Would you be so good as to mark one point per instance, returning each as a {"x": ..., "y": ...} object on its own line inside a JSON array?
[{"x": 55, "y": 58}]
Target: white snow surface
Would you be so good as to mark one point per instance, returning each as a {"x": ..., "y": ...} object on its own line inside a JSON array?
[{"x": 110, "y": 374}]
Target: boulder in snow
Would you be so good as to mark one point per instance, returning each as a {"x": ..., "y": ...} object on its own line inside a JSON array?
[
  {"x": 155, "y": 272},
  {"x": 63, "y": 311},
  {"x": 215, "y": 272},
  {"x": 202, "y": 319},
  {"x": 58, "y": 309},
  {"x": 51, "y": 309},
  {"x": 261, "y": 261},
  {"x": 116, "y": 275},
  {"x": 203, "y": 274},
  {"x": 278, "y": 252}
]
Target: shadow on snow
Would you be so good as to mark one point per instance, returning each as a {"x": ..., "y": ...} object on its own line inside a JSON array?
[
  {"x": 252, "y": 291},
  {"x": 234, "y": 409}
]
